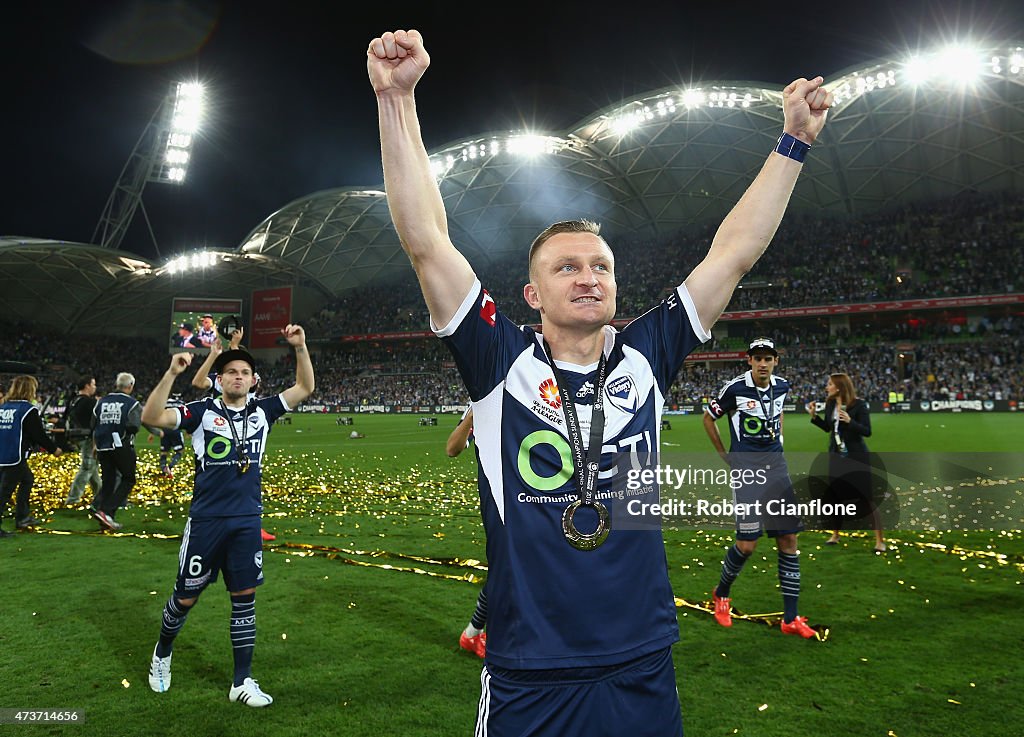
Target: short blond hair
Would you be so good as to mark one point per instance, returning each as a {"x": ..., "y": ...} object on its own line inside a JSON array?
[{"x": 565, "y": 226}]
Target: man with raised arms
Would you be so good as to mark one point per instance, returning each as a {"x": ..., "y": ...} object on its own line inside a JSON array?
[{"x": 581, "y": 618}]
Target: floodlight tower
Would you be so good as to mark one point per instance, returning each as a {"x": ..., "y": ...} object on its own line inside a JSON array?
[{"x": 161, "y": 155}]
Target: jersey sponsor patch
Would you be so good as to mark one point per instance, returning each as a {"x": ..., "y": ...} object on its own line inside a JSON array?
[
  {"x": 488, "y": 309},
  {"x": 622, "y": 394},
  {"x": 549, "y": 393}
]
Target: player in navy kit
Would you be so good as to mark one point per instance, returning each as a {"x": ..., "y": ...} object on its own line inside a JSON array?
[
  {"x": 753, "y": 403},
  {"x": 222, "y": 535},
  {"x": 580, "y": 623},
  {"x": 172, "y": 442}
]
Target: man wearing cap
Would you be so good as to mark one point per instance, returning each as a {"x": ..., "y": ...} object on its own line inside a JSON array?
[
  {"x": 206, "y": 380},
  {"x": 207, "y": 332},
  {"x": 185, "y": 338},
  {"x": 222, "y": 535},
  {"x": 753, "y": 401}
]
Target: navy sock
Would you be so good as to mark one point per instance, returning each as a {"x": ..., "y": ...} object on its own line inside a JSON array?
[
  {"x": 243, "y": 634},
  {"x": 173, "y": 620},
  {"x": 731, "y": 567},
  {"x": 789, "y": 581}
]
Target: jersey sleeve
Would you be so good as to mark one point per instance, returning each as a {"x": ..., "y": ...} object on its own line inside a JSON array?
[
  {"x": 482, "y": 340},
  {"x": 724, "y": 403},
  {"x": 190, "y": 416},
  {"x": 667, "y": 334},
  {"x": 273, "y": 407}
]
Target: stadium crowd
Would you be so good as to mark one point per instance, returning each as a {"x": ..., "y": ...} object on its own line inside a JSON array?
[{"x": 966, "y": 246}]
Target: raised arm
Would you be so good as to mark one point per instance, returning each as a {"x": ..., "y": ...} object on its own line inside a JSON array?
[
  {"x": 396, "y": 62},
  {"x": 459, "y": 438},
  {"x": 154, "y": 413},
  {"x": 201, "y": 380},
  {"x": 751, "y": 224},
  {"x": 304, "y": 382}
]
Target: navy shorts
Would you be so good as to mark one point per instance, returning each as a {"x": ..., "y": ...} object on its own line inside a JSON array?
[
  {"x": 231, "y": 545},
  {"x": 765, "y": 499},
  {"x": 172, "y": 440},
  {"x": 635, "y": 699}
]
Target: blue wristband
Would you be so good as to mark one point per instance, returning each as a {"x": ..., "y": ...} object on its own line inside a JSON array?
[{"x": 792, "y": 147}]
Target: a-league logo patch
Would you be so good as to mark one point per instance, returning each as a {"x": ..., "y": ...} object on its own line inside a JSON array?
[
  {"x": 622, "y": 393},
  {"x": 488, "y": 309},
  {"x": 549, "y": 393}
]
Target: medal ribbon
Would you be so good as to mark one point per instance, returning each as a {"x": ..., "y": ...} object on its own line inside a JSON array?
[
  {"x": 243, "y": 458},
  {"x": 586, "y": 467}
]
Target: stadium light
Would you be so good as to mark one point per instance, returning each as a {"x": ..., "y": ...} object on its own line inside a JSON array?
[
  {"x": 693, "y": 98},
  {"x": 916, "y": 71},
  {"x": 958, "y": 63},
  {"x": 1016, "y": 60},
  {"x": 186, "y": 116},
  {"x": 195, "y": 261}
]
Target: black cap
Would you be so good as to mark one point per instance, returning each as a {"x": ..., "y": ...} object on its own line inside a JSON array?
[
  {"x": 765, "y": 345},
  {"x": 186, "y": 326},
  {"x": 236, "y": 355}
]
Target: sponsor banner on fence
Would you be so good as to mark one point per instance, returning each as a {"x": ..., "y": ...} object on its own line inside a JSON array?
[{"x": 385, "y": 409}]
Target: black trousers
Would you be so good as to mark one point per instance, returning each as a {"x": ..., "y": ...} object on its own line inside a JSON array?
[
  {"x": 16, "y": 477},
  {"x": 113, "y": 493}
]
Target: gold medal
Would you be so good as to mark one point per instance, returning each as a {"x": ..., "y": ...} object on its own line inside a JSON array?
[{"x": 581, "y": 540}]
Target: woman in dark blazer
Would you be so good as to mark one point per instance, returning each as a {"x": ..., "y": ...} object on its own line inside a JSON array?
[{"x": 848, "y": 421}]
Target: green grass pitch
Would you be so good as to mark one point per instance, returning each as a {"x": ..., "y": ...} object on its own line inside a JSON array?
[{"x": 375, "y": 571}]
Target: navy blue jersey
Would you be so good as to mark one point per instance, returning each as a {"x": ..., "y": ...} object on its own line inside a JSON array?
[
  {"x": 755, "y": 414},
  {"x": 13, "y": 415},
  {"x": 220, "y": 490},
  {"x": 117, "y": 418},
  {"x": 172, "y": 439},
  {"x": 550, "y": 605}
]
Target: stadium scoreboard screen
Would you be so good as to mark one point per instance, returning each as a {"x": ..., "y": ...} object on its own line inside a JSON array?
[{"x": 195, "y": 319}]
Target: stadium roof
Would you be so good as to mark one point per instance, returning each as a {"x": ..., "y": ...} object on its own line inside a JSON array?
[
  {"x": 677, "y": 156},
  {"x": 93, "y": 290},
  {"x": 900, "y": 131}
]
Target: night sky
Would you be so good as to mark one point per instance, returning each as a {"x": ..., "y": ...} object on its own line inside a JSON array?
[{"x": 291, "y": 111}]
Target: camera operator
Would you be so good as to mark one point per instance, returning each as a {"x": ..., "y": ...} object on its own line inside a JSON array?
[{"x": 78, "y": 433}]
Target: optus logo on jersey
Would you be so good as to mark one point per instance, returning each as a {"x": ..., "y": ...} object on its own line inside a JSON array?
[{"x": 545, "y": 460}]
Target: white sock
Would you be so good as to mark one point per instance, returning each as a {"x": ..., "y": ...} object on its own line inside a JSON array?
[{"x": 471, "y": 631}]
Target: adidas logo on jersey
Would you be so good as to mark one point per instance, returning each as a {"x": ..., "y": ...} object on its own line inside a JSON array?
[{"x": 585, "y": 391}]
